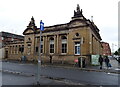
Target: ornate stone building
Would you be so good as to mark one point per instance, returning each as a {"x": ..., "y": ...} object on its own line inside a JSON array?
[{"x": 64, "y": 42}]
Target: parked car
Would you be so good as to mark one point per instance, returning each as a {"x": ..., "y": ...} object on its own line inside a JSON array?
[
  {"x": 118, "y": 59},
  {"x": 110, "y": 57}
]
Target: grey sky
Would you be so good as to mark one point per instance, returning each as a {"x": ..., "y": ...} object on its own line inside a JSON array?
[{"x": 16, "y": 14}]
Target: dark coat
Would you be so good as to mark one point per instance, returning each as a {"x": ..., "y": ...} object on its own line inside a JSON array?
[
  {"x": 107, "y": 60},
  {"x": 100, "y": 59}
]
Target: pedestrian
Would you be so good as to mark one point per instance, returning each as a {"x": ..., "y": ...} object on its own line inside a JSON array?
[
  {"x": 107, "y": 61},
  {"x": 101, "y": 61},
  {"x": 50, "y": 59}
]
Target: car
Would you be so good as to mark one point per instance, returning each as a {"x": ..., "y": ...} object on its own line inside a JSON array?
[{"x": 116, "y": 57}]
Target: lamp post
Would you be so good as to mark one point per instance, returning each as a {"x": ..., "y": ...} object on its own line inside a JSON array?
[{"x": 81, "y": 42}]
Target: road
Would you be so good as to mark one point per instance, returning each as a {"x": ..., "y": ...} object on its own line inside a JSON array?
[
  {"x": 69, "y": 75},
  {"x": 14, "y": 79}
]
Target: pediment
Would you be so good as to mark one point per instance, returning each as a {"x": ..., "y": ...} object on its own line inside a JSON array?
[
  {"x": 28, "y": 31},
  {"x": 77, "y": 23}
]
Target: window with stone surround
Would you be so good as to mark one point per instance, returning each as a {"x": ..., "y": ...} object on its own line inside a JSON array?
[
  {"x": 41, "y": 46},
  {"x": 64, "y": 44},
  {"x": 77, "y": 48},
  {"x": 51, "y": 45},
  {"x": 36, "y": 49}
]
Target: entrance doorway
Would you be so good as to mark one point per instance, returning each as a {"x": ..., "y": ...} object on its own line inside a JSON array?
[{"x": 6, "y": 54}]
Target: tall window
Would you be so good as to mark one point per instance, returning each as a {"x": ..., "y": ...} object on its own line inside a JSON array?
[
  {"x": 41, "y": 47},
  {"x": 77, "y": 48},
  {"x": 36, "y": 49},
  {"x": 41, "y": 44},
  {"x": 51, "y": 45},
  {"x": 21, "y": 49},
  {"x": 64, "y": 44}
]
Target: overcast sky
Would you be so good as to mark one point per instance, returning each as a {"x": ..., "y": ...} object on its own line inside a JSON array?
[{"x": 16, "y": 14}]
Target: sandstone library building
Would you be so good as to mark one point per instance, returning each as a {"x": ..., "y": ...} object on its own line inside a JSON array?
[{"x": 63, "y": 42}]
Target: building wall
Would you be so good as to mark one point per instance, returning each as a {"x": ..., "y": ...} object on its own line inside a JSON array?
[
  {"x": 2, "y": 53},
  {"x": 29, "y": 46},
  {"x": 79, "y": 29},
  {"x": 87, "y": 48},
  {"x": 6, "y": 38},
  {"x": 14, "y": 51},
  {"x": 106, "y": 49},
  {"x": 91, "y": 45}
]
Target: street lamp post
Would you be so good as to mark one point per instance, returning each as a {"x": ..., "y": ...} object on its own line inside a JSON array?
[
  {"x": 39, "y": 62},
  {"x": 81, "y": 42}
]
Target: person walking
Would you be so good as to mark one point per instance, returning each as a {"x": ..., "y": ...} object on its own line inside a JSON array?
[
  {"x": 107, "y": 61},
  {"x": 50, "y": 59},
  {"x": 101, "y": 61}
]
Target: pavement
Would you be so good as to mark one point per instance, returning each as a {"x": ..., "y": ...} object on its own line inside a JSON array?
[{"x": 114, "y": 69}]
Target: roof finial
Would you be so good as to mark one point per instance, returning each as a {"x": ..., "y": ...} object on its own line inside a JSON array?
[
  {"x": 78, "y": 12},
  {"x": 91, "y": 18},
  {"x": 78, "y": 8},
  {"x": 32, "y": 19},
  {"x": 32, "y": 22}
]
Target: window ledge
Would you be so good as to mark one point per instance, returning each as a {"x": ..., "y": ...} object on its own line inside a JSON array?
[
  {"x": 63, "y": 53},
  {"x": 77, "y": 54}
]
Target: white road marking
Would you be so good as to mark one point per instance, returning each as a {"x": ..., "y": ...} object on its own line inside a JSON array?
[
  {"x": 26, "y": 64},
  {"x": 112, "y": 74},
  {"x": 117, "y": 69}
]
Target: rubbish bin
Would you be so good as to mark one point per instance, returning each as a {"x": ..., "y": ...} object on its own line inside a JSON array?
[{"x": 83, "y": 62}]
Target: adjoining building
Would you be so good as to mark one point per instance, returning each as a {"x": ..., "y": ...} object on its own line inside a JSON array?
[
  {"x": 6, "y": 39},
  {"x": 106, "y": 49},
  {"x": 62, "y": 43}
]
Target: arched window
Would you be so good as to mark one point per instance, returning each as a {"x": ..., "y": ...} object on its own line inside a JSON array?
[
  {"x": 51, "y": 45},
  {"x": 64, "y": 44}
]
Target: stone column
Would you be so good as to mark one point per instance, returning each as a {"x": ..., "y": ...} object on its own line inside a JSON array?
[
  {"x": 93, "y": 45},
  {"x": 17, "y": 49},
  {"x": 90, "y": 43},
  {"x": 8, "y": 49},
  {"x": 11, "y": 49},
  {"x": 14, "y": 50},
  {"x": 46, "y": 45},
  {"x": 55, "y": 44}
]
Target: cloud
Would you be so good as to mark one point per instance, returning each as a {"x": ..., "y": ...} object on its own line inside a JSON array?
[{"x": 15, "y": 14}]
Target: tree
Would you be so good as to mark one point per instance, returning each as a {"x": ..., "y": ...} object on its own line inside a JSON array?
[
  {"x": 116, "y": 53},
  {"x": 119, "y": 51}
]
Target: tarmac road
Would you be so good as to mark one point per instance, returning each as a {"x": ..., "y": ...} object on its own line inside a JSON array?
[{"x": 66, "y": 74}]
